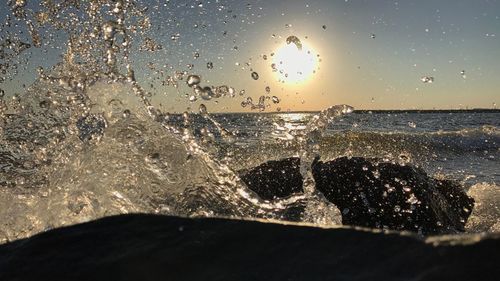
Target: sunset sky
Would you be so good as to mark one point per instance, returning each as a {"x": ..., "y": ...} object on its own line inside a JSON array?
[{"x": 373, "y": 54}]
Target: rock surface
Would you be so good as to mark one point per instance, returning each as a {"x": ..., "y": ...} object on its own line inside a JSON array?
[
  {"x": 274, "y": 179},
  {"x": 387, "y": 195},
  {"x": 371, "y": 194},
  {"x": 148, "y": 247}
]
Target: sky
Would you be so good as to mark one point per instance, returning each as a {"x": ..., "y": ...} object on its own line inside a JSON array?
[{"x": 371, "y": 54}]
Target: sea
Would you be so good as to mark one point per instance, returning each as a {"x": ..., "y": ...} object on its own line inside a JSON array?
[
  {"x": 458, "y": 144},
  {"x": 60, "y": 167}
]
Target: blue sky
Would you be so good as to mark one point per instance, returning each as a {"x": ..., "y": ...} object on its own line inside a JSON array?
[{"x": 373, "y": 53}]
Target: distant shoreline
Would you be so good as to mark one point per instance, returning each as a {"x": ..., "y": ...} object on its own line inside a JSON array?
[
  {"x": 477, "y": 110},
  {"x": 383, "y": 111}
]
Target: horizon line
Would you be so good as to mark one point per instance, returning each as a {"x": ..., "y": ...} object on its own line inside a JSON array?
[{"x": 471, "y": 110}]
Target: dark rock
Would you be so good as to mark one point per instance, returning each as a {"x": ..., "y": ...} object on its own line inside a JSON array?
[
  {"x": 274, "y": 179},
  {"x": 386, "y": 195},
  {"x": 147, "y": 247}
]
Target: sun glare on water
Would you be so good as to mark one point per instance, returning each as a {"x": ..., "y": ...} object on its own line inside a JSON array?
[{"x": 294, "y": 65}]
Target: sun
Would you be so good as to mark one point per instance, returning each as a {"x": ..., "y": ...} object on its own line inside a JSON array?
[{"x": 294, "y": 63}]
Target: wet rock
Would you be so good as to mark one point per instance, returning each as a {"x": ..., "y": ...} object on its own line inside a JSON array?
[
  {"x": 148, "y": 247},
  {"x": 391, "y": 196},
  {"x": 274, "y": 179},
  {"x": 371, "y": 194}
]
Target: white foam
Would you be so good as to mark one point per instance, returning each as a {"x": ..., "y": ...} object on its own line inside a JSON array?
[{"x": 486, "y": 214}]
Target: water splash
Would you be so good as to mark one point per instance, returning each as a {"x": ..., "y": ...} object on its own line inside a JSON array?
[{"x": 309, "y": 143}]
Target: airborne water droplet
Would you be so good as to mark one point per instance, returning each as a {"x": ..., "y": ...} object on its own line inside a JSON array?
[
  {"x": 295, "y": 40},
  {"x": 203, "y": 110},
  {"x": 221, "y": 91},
  {"x": 232, "y": 92},
  {"x": 206, "y": 93},
  {"x": 193, "y": 80},
  {"x": 175, "y": 37},
  {"x": 210, "y": 65},
  {"x": 255, "y": 75},
  {"x": 276, "y": 99},
  {"x": 427, "y": 79}
]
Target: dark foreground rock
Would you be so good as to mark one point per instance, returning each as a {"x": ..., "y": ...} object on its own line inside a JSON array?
[
  {"x": 147, "y": 247},
  {"x": 274, "y": 179},
  {"x": 386, "y": 195},
  {"x": 372, "y": 194}
]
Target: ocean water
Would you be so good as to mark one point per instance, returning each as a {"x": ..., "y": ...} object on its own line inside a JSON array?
[
  {"x": 463, "y": 145},
  {"x": 84, "y": 139},
  {"x": 59, "y": 168}
]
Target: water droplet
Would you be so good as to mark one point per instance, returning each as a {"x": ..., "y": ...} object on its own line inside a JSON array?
[
  {"x": 210, "y": 65},
  {"x": 412, "y": 125},
  {"x": 295, "y": 40},
  {"x": 108, "y": 30},
  {"x": 206, "y": 93},
  {"x": 42, "y": 104},
  {"x": 373, "y": 36},
  {"x": 463, "y": 74},
  {"x": 175, "y": 37},
  {"x": 427, "y": 79},
  {"x": 221, "y": 91},
  {"x": 255, "y": 75},
  {"x": 412, "y": 200},
  {"x": 196, "y": 55},
  {"x": 193, "y": 80},
  {"x": 275, "y": 99},
  {"x": 242, "y": 92},
  {"x": 232, "y": 92},
  {"x": 324, "y": 27},
  {"x": 203, "y": 110},
  {"x": 268, "y": 89}
]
